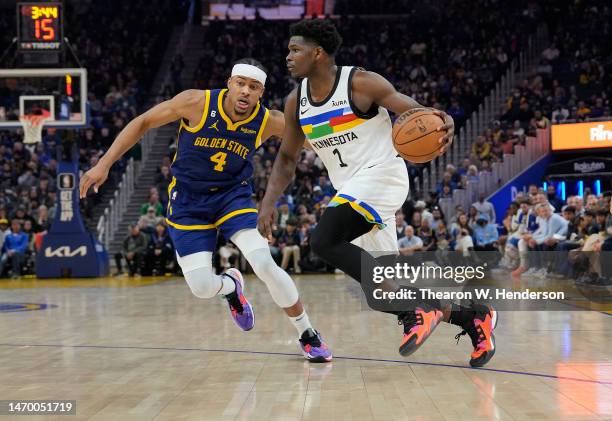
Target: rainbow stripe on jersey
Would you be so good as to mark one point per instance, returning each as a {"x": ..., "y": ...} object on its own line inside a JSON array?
[{"x": 330, "y": 122}]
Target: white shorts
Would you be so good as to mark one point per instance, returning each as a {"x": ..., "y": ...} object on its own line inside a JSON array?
[{"x": 377, "y": 193}]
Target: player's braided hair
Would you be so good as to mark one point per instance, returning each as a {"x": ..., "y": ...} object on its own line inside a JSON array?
[{"x": 320, "y": 31}]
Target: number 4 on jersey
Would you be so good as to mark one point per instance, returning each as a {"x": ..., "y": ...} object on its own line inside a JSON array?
[{"x": 219, "y": 159}]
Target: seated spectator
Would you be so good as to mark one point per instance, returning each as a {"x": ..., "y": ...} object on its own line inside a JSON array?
[
  {"x": 289, "y": 241},
  {"x": 447, "y": 180},
  {"x": 159, "y": 251},
  {"x": 481, "y": 149},
  {"x": 426, "y": 234},
  {"x": 447, "y": 192},
  {"x": 472, "y": 216},
  {"x": 600, "y": 220},
  {"x": 14, "y": 249},
  {"x": 155, "y": 203},
  {"x": 443, "y": 241},
  {"x": 28, "y": 229},
  {"x": 552, "y": 198},
  {"x": 400, "y": 224},
  {"x": 133, "y": 251},
  {"x": 551, "y": 229},
  {"x": 485, "y": 207},
  {"x": 148, "y": 221},
  {"x": 409, "y": 243},
  {"x": 485, "y": 234},
  {"x": 472, "y": 174},
  {"x": 438, "y": 217},
  {"x": 462, "y": 241},
  {"x": 465, "y": 165},
  {"x": 515, "y": 230},
  {"x": 420, "y": 207},
  {"x": 4, "y": 231},
  {"x": 284, "y": 215},
  {"x": 43, "y": 222}
]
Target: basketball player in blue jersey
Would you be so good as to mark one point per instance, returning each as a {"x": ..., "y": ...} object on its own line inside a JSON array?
[
  {"x": 342, "y": 112},
  {"x": 220, "y": 130}
]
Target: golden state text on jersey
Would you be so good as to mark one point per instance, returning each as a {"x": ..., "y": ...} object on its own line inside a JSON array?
[{"x": 217, "y": 153}]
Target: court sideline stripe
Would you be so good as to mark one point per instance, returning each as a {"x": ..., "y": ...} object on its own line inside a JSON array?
[{"x": 288, "y": 354}]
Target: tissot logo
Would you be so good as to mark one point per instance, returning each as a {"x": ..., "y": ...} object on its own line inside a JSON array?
[{"x": 65, "y": 251}]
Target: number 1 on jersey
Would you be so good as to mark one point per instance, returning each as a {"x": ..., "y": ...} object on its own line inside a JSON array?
[
  {"x": 219, "y": 159},
  {"x": 337, "y": 152}
]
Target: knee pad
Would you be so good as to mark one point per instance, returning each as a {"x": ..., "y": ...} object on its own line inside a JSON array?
[
  {"x": 198, "y": 272},
  {"x": 281, "y": 286},
  {"x": 202, "y": 283}
]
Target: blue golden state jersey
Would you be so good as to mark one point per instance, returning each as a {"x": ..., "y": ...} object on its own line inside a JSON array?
[{"x": 217, "y": 153}]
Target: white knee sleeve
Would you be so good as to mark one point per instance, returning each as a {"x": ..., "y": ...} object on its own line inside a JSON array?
[
  {"x": 257, "y": 252},
  {"x": 198, "y": 272}
]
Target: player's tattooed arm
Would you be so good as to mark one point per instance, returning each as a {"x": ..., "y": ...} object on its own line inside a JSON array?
[
  {"x": 371, "y": 88},
  {"x": 185, "y": 104},
  {"x": 284, "y": 165}
]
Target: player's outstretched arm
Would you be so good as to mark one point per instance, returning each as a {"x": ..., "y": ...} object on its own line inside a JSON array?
[
  {"x": 370, "y": 87},
  {"x": 163, "y": 113},
  {"x": 284, "y": 165}
]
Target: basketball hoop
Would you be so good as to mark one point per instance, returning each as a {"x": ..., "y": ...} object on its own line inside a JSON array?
[{"x": 32, "y": 126}]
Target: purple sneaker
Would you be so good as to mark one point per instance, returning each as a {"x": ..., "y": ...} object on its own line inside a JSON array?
[
  {"x": 242, "y": 312},
  {"x": 313, "y": 347}
]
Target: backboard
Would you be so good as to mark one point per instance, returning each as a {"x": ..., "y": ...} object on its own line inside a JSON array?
[{"x": 63, "y": 92}]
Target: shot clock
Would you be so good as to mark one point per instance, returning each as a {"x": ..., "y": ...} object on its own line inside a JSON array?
[{"x": 39, "y": 26}]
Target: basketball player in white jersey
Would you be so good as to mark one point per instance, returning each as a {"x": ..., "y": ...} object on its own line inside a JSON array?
[{"x": 342, "y": 112}]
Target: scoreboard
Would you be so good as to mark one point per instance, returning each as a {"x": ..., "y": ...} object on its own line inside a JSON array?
[{"x": 39, "y": 26}]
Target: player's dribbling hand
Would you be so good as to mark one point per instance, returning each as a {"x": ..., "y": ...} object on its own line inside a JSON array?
[
  {"x": 95, "y": 177},
  {"x": 448, "y": 127},
  {"x": 265, "y": 219}
]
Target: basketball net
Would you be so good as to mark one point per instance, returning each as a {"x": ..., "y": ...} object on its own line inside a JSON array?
[{"x": 32, "y": 126}]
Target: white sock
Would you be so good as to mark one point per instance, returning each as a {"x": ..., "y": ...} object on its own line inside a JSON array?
[
  {"x": 301, "y": 322},
  {"x": 227, "y": 285}
]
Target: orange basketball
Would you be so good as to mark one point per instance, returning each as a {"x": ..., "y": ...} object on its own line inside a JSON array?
[{"x": 415, "y": 137}]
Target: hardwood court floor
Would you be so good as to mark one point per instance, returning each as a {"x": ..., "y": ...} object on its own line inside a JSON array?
[{"x": 147, "y": 349}]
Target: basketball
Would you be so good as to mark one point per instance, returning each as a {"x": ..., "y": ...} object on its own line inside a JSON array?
[{"x": 415, "y": 137}]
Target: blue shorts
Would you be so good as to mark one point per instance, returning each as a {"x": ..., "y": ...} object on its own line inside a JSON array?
[{"x": 195, "y": 218}]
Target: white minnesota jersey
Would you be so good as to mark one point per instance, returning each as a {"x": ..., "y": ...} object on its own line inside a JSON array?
[{"x": 346, "y": 139}]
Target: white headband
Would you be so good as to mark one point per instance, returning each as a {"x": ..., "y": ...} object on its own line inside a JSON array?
[{"x": 248, "y": 70}]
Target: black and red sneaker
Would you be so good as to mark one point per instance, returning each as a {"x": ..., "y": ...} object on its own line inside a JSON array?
[
  {"x": 418, "y": 325},
  {"x": 480, "y": 329}
]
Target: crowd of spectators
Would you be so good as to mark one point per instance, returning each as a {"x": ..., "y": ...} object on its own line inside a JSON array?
[
  {"x": 572, "y": 82},
  {"x": 541, "y": 235},
  {"x": 445, "y": 66},
  {"x": 546, "y": 237},
  {"x": 119, "y": 79}
]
